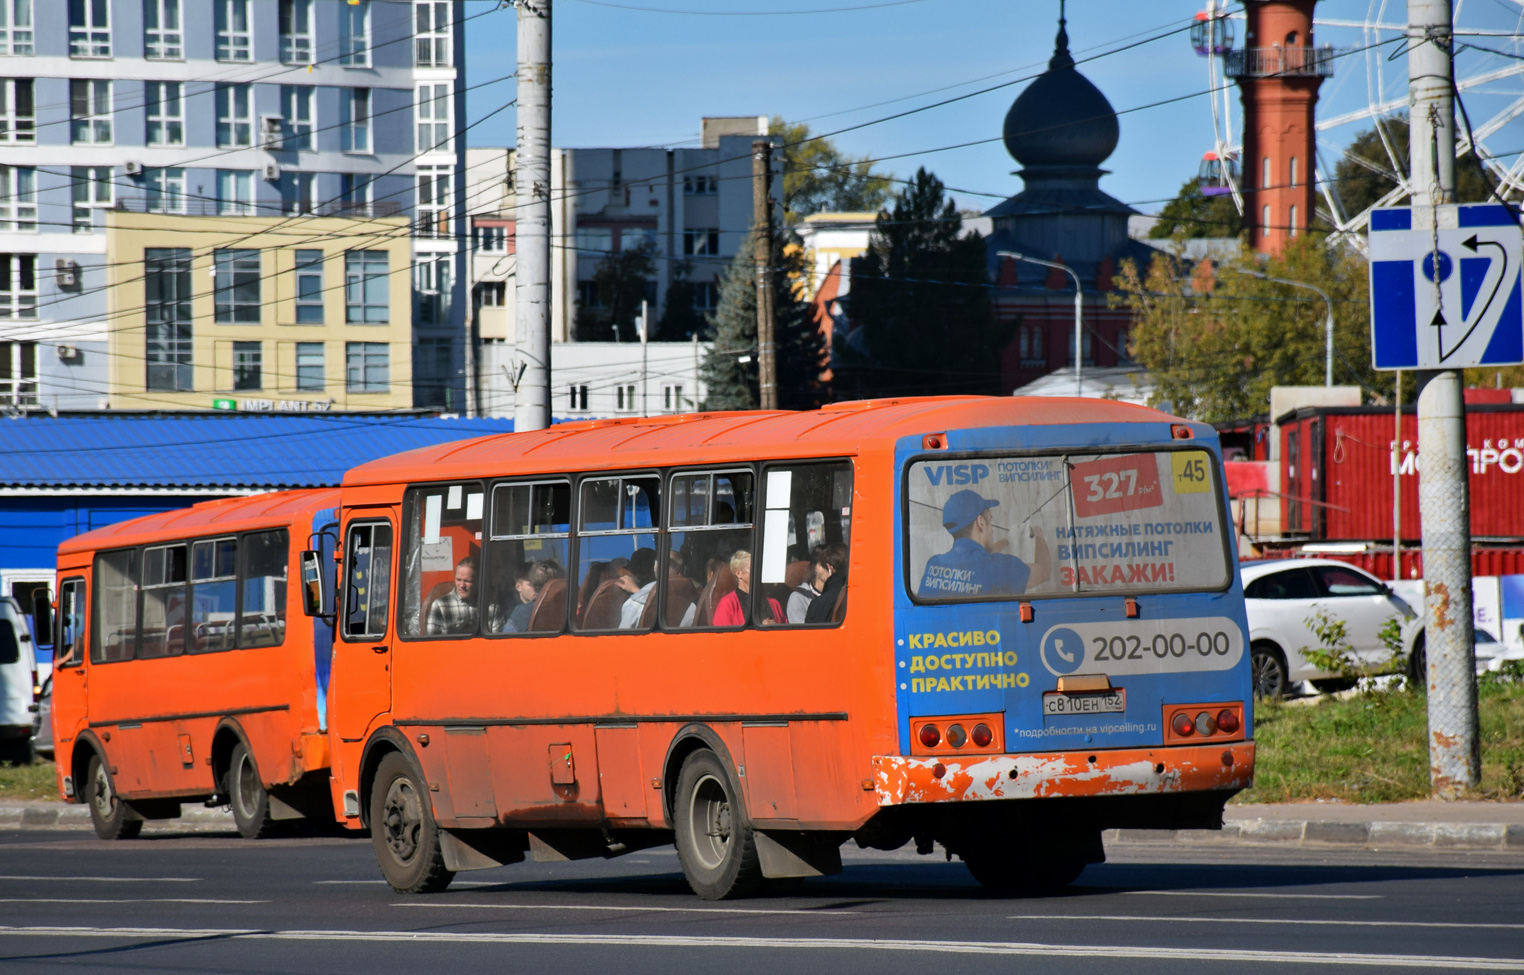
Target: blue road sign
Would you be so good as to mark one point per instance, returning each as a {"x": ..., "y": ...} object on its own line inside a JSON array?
[{"x": 1446, "y": 296}]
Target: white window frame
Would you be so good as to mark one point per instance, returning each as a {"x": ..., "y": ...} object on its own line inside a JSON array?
[
  {"x": 577, "y": 398},
  {"x": 309, "y": 287},
  {"x": 93, "y": 192},
  {"x": 17, "y": 126},
  {"x": 18, "y": 373},
  {"x": 235, "y": 116},
  {"x": 355, "y": 191},
  {"x": 163, "y": 37},
  {"x": 672, "y": 400},
  {"x": 701, "y": 242},
  {"x": 90, "y": 38},
  {"x": 435, "y": 195},
  {"x": 700, "y": 184},
  {"x": 433, "y": 287},
  {"x": 361, "y": 268},
  {"x": 235, "y": 38},
  {"x": 296, "y": 36},
  {"x": 356, "y": 127},
  {"x": 93, "y": 127},
  {"x": 164, "y": 113},
  {"x": 18, "y": 199},
  {"x": 169, "y": 337},
  {"x": 431, "y": 34},
  {"x": 494, "y": 294},
  {"x": 235, "y": 193},
  {"x": 165, "y": 190},
  {"x": 16, "y": 34},
  {"x": 18, "y": 286},
  {"x": 247, "y": 354},
  {"x": 306, "y": 352},
  {"x": 370, "y": 355},
  {"x": 491, "y": 239},
  {"x": 354, "y": 34},
  {"x": 433, "y": 112},
  {"x": 624, "y": 398},
  {"x": 299, "y": 105},
  {"x": 298, "y": 192}
]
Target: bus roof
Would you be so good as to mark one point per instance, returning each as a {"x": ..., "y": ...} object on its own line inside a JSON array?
[
  {"x": 208, "y": 517},
  {"x": 836, "y": 429}
]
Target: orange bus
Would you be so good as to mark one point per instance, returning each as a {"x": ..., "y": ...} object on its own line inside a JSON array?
[
  {"x": 1018, "y": 622},
  {"x": 178, "y": 676}
]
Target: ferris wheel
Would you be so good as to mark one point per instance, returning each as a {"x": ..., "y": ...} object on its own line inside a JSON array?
[{"x": 1369, "y": 91}]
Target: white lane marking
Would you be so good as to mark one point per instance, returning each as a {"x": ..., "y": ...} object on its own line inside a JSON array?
[
  {"x": 1268, "y": 920},
  {"x": 1234, "y": 893},
  {"x": 631, "y": 907},
  {"x": 456, "y": 883},
  {"x": 122, "y": 900},
  {"x": 810, "y": 944},
  {"x": 111, "y": 880}
]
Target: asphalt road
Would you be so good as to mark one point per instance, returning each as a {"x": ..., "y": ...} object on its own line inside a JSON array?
[{"x": 186, "y": 902}]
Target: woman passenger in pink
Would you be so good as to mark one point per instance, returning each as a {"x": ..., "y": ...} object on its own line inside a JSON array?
[{"x": 735, "y": 608}]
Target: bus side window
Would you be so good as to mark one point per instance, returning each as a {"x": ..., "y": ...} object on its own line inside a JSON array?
[
  {"x": 266, "y": 562},
  {"x": 68, "y": 644},
  {"x": 617, "y": 531},
  {"x": 214, "y": 587},
  {"x": 806, "y": 540},
  {"x": 367, "y": 580},
  {"x": 162, "y": 620},
  {"x": 441, "y": 560},
  {"x": 115, "y": 634},
  {"x": 710, "y": 521},
  {"x": 525, "y": 588}
]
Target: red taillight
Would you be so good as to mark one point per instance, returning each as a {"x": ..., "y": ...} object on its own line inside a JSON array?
[
  {"x": 931, "y": 736},
  {"x": 1227, "y": 721},
  {"x": 1182, "y": 725},
  {"x": 982, "y": 735},
  {"x": 956, "y": 736},
  {"x": 1206, "y": 724}
]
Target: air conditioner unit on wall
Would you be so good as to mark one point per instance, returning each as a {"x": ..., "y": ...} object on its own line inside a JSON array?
[
  {"x": 65, "y": 273},
  {"x": 132, "y": 167},
  {"x": 68, "y": 353},
  {"x": 272, "y": 171}
]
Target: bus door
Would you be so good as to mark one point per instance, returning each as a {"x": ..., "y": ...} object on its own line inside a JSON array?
[
  {"x": 70, "y": 697},
  {"x": 361, "y": 666}
]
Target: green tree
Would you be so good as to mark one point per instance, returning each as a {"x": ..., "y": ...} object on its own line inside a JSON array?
[
  {"x": 1193, "y": 214},
  {"x": 1364, "y": 173},
  {"x": 1215, "y": 341},
  {"x": 921, "y": 300},
  {"x": 623, "y": 281},
  {"x": 818, "y": 177},
  {"x": 729, "y": 371},
  {"x": 680, "y": 320}
]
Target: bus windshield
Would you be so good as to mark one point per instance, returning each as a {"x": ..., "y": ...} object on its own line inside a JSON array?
[{"x": 996, "y": 527}]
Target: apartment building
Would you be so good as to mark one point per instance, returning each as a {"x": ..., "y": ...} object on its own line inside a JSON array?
[{"x": 211, "y": 126}]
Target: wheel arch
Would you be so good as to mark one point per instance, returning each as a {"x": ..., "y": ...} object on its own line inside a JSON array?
[
  {"x": 382, "y": 742},
  {"x": 228, "y": 735},
  {"x": 86, "y": 746},
  {"x": 689, "y": 739}
]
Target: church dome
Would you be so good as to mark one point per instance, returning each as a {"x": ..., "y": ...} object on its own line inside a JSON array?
[{"x": 1061, "y": 119}]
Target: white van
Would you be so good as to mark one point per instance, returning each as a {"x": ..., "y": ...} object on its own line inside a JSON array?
[{"x": 18, "y": 682}]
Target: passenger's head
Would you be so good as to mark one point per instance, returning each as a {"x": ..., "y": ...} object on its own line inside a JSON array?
[
  {"x": 643, "y": 565},
  {"x": 543, "y": 571},
  {"x": 521, "y": 582},
  {"x": 827, "y": 561},
  {"x": 740, "y": 564},
  {"x": 465, "y": 577}
]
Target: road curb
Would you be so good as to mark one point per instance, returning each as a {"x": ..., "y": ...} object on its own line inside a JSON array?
[
  {"x": 60, "y": 815},
  {"x": 1321, "y": 834}
]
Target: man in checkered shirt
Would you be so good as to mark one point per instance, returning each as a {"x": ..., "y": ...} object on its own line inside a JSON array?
[{"x": 455, "y": 611}]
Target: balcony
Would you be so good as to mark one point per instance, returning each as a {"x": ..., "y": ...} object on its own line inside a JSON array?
[
  {"x": 215, "y": 208},
  {"x": 1281, "y": 62}
]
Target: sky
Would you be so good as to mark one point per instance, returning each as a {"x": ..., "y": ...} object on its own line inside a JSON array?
[{"x": 644, "y": 77}]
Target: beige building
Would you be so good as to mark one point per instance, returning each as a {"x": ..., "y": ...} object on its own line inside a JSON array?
[{"x": 258, "y": 313}]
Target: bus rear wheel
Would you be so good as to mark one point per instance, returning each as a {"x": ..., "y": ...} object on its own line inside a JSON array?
[
  {"x": 247, "y": 796},
  {"x": 1011, "y": 871},
  {"x": 403, "y": 831},
  {"x": 108, "y": 814},
  {"x": 715, "y": 843}
]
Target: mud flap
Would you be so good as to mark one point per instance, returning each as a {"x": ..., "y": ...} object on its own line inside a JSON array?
[
  {"x": 478, "y": 849},
  {"x": 791, "y": 853}
]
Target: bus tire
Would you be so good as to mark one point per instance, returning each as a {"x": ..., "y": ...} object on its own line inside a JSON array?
[
  {"x": 1007, "y": 870},
  {"x": 1268, "y": 672},
  {"x": 247, "y": 796},
  {"x": 715, "y": 843},
  {"x": 108, "y": 814},
  {"x": 403, "y": 831}
]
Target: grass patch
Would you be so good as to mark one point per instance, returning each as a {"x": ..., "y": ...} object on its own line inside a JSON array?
[
  {"x": 35, "y": 781},
  {"x": 1373, "y": 747}
]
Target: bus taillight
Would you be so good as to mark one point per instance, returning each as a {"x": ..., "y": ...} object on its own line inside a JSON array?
[
  {"x": 1227, "y": 720},
  {"x": 957, "y": 734},
  {"x": 931, "y": 735},
  {"x": 982, "y": 735},
  {"x": 1218, "y": 722},
  {"x": 1183, "y": 725}
]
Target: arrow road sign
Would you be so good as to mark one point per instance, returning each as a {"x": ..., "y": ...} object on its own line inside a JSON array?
[{"x": 1446, "y": 296}]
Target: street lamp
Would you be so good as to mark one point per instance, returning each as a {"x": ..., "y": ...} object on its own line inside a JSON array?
[
  {"x": 1327, "y": 324},
  {"x": 1079, "y": 298}
]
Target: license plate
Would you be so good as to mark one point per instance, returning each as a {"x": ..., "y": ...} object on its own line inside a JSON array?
[{"x": 1105, "y": 702}]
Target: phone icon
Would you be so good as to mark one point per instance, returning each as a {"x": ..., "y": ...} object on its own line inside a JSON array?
[
  {"x": 1058, "y": 647},
  {"x": 1063, "y": 650}
]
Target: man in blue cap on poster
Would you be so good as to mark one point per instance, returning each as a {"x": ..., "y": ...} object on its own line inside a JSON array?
[{"x": 976, "y": 565}]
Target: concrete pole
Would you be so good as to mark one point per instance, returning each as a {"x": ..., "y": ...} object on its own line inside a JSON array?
[
  {"x": 531, "y": 187},
  {"x": 762, "y": 254},
  {"x": 1079, "y": 335},
  {"x": 1443, "y": 490},
  {"x": 645, "y": 334}
]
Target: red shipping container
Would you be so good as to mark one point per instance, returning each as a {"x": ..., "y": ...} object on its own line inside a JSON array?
[{"x": 1337, "y": 466}]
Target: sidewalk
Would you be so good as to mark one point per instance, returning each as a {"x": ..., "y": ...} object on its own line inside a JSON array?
[{"x": 1493, "y": 826}]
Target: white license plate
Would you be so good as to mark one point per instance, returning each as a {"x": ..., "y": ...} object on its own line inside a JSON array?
[{"x": 1105, "y": 702}]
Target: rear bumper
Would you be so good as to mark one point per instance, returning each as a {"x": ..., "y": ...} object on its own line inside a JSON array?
[{"x": 899, "y": 780}]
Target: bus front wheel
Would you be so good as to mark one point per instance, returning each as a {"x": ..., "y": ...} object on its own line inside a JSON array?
[
  {"x": 403, "y": 831},
  {"x": 108, "y": 814},
  {"x": 247, "y": 796},
  {"x": 1005, "y": 869},
  {"x": 715, "y": 843}
]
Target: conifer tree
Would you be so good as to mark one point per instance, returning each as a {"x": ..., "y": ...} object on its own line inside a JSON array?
[{"x": 680, "y": 320}]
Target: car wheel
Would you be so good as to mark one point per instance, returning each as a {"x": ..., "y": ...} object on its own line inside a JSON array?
[
  {"x": 247, "y": 796},
  {"x": 1267, "y": 666},
  {"x": 715, "y": 844},
  {"x": 108, "y": 814},
  {"x": 403, "y": 831},
  {"x": 1418, "y": 666}
]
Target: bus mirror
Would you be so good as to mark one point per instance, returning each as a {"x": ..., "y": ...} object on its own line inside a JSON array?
[
  {"x": 314, "y": 593},
  {"x": 42, "y": 617}
]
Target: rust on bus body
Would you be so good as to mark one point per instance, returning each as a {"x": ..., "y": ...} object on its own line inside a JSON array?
[{"x": 1126, "y": 771}]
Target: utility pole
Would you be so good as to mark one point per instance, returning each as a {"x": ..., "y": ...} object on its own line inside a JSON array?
[
  {"x": 1444, "y": 500},
  {"x": 531, "y": 188},
  {"x": 762, "y": 253},
  {"x": 645, "y": 330}
]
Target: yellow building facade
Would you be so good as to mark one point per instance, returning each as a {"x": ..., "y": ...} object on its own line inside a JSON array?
[{"x": 259, "y": 313}]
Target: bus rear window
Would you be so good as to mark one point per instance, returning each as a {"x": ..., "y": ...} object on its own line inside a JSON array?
[{"x": 1124, "y": 523}]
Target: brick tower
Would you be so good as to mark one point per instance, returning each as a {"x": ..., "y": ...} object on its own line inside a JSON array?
[{"x": 1279, "y": 71}]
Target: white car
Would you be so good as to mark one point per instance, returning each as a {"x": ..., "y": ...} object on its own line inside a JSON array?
[
  {"x": 1281, "y": 595},
  {"x": 18, "y": 682}
]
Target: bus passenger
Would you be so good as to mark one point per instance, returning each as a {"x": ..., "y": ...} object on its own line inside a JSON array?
[
  {"x": 455, "y": 611},
  {"x": 734, "y": 610},
  {"x": 976, "y": 565},
  {"x": 529, "y": 585},
  {"x": 639, "y": 580},
  {"x": 828, "y": 567}
]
